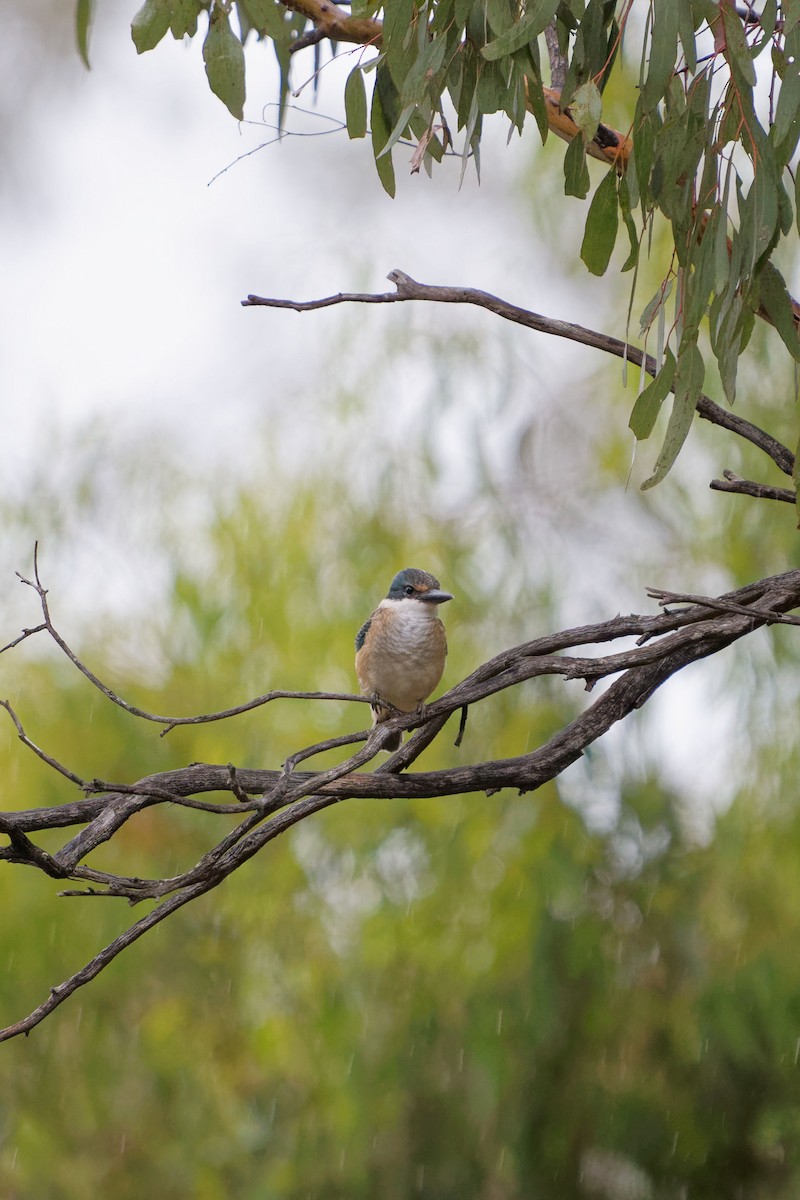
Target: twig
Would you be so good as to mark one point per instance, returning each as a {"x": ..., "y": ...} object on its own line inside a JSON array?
[
  {"x": 170, "y": 723},
  {"x": 747, "y": 487},
  {"x": 411, "y": 289},
  {"x": 767, "y": 616},
  {"x": 43, "y": 755},
  {"x": 26, "y": 633}
]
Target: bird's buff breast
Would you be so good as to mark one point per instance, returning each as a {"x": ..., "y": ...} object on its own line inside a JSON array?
[{"x": 406, "y": 657}]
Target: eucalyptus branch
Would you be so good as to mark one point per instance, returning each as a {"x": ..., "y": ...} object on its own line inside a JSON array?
[
  {"x": 608, "y": 146},
  {"x": 664, "y": 644},
  {"x": 410, "y": 289},
  {"x": 731, "y": 482},
  {"x": 558, "y": 61}
]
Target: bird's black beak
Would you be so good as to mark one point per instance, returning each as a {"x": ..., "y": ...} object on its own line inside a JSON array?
[{"x": 435, "y": 597}]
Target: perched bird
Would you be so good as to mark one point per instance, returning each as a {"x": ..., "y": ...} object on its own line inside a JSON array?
[{"x": 400, "y": 650}]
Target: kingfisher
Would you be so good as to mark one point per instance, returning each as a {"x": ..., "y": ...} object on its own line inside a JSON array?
[{"x": 401, "y": 648}]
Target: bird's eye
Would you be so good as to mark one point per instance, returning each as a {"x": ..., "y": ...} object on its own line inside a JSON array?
[{"x": 409, "y": 590}]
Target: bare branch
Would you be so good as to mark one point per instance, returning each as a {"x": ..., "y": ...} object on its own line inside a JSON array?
[
  {"x": 747, "y": 487},
  {"x": 26, "y": 633},
  {"x": 558, "y": 61},
  {"x": 768, "y": 616},
  {"x": 410, "y": 289},
  {"x": 665, "y": 644}
]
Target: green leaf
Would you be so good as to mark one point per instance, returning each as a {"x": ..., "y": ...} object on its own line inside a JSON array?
[
  {"x": 223, "y": 55},
  {"x": 648, "y": 403},
  {"x": 591, "y": 49},
  {"x": 150, "y": 24},
  {"x": 399, "y": 129},
  {"x": 687, "y": 34},
  {"x": 653, "y": 306},
  {"x": 586, "y": 108},
  {"x": 786, "y": 126},
  {"x": 538, "y": 14},
  {"x": 184, "y": 18},
  {"x": 398, "y": 22},
  {"x": 84, "y": 12},
  {"x": 355, "y": 104},
  {"x": 576, "y": 172},
  {"x": 769, "y": 17},
  {"x": 643, "y": 147},
  {"x": 778, "y": 305},
  {"x": 380, "y": 136},
  {"x": 663, "y": 53},
  {"x": 737, "y": 51},
  {"x": 500, "y": 14},
  {"x": 424, "y": 68},
  {"x": 266, "y": 16},
  {"x": 759, "y": 213},
  {"x": 492, "y": 88},
  {"x": 627, "y": 216},
  {"x": 602, "y": 222},
  {"x": 699, "y": 282},
  {"x": 689, "y": 374}
]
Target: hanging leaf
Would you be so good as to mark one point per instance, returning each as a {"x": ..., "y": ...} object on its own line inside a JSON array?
[
  {"x": 586, "y": 108},
  {"x": 737, "y": 51},
  {"x": 625, "y": 204},
  {"x": 538, "y": 14},
  {"x": 223, "y": 54},
  {"x": 355, "y": 104},
  {"x": 84, "y": 11},
  {"x": 576, "y": 172},
  {"x": 689, "y": 373},
  {"x": 778, "y": 306},
  {"x": 150, "y": 24},
  {"x": 648, "y": 402},
  {"x": 185, "y": 14},
  {"x": 663, "y": 53},
  {"x": 380, "y": 136},
  {"x": 602, "y": 223}
]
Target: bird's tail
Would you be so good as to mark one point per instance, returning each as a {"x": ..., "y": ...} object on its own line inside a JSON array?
[{"x": 396, "y": 740}]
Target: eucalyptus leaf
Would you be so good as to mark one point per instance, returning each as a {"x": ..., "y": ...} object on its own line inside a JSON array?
[
  {"x": 602, "y": 222},
  {"x": 663, "y": 53},
  {"x": 355, "y": 104},
  {"x": 538, "y": 14},
  {"x": 84, "y": 12},
  {"x": 223, "y": 54},
  {"x": 649, "y": 401},
  {"x": 586, "y": 108},
  {"x": 576, "y": 172},
  {"x": 185, "y": 13},
  {"x": 380, "y": 135},
  {"x": 150, "y": 24},
  {"x": 777, "y": 304},
  {"x": 689, "y": 374}
]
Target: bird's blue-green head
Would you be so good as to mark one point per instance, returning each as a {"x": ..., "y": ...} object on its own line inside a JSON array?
[{"x": 413, "y": 584}]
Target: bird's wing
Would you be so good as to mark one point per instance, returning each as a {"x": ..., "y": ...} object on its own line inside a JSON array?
[{"x": 362, "y": 633}]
